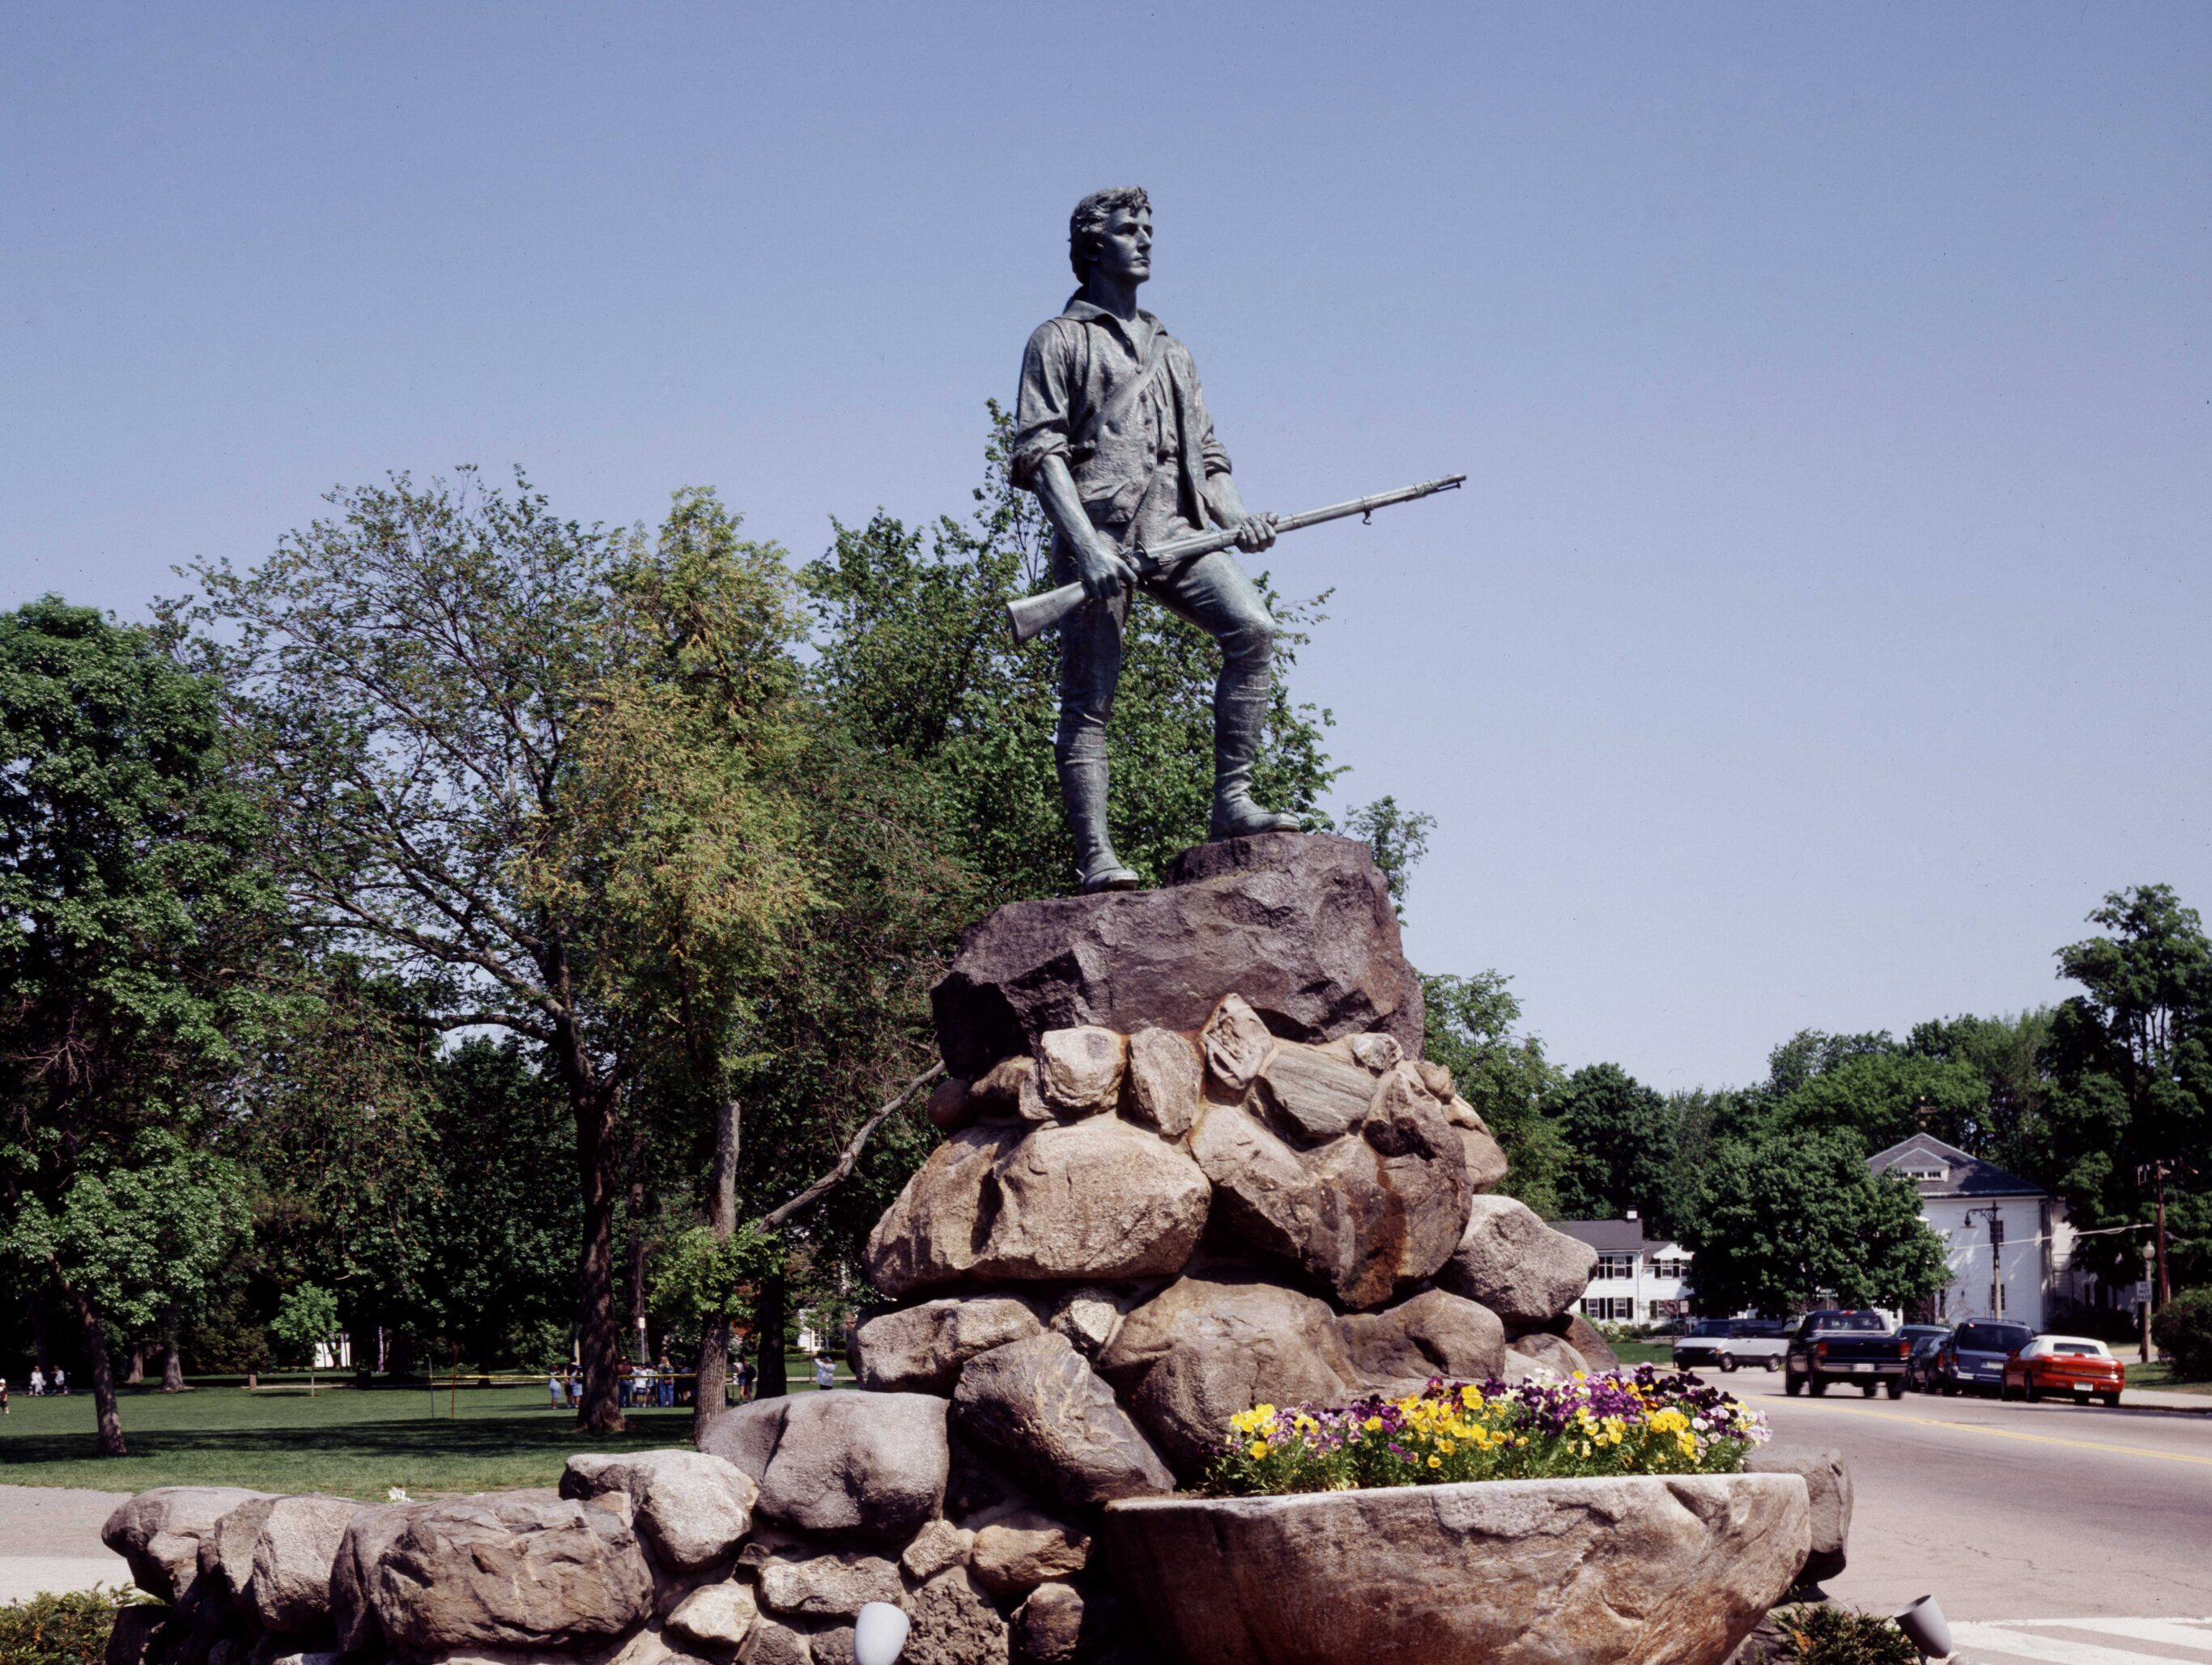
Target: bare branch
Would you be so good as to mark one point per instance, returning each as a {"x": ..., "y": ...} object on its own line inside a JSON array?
[{"x": 836, "y": 1175}]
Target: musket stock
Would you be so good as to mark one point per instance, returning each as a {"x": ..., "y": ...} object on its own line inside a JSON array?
[{"x": 1031, "y": 616}]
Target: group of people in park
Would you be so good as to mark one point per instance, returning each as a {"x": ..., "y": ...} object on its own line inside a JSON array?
[
  {"x": 644, "y": 1385},
  {"x": 40, "y": 1385}
]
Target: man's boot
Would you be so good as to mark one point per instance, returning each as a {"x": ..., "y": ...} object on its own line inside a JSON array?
[
  {"x": 1082, "y": 790},
  {"x": 1240, "y": 708}
]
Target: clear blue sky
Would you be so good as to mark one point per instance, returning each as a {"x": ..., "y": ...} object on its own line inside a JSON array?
[{"x": 1824, "y": 630}]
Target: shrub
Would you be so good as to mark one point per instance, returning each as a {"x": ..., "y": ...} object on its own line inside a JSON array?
[
  {"x": 1836, "y": 1635},
  {"x": 60, "y": 1630},
  {"x": 2184, "y": 1329},
  {"x": 1623, "y": 1422}
]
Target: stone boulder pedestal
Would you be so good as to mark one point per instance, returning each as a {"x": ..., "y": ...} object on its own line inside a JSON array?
[
  {"x": 1301, "y": 926},
  {"x": 1639, "y": 1570}
]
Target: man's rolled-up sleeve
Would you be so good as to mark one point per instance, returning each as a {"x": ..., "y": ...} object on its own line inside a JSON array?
[{"x": 1042, "y": 406}]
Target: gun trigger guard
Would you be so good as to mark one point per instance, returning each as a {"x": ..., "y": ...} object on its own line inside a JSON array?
[{"x": 1367, "y": 519}]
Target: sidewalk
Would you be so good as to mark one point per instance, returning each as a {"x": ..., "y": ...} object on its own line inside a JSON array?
[
  {"x": 2158, "y": 1399},
  {"x": 50, "y": 1540}
]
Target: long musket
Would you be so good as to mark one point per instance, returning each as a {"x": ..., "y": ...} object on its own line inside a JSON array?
[{"x": 1031, "y": 615}]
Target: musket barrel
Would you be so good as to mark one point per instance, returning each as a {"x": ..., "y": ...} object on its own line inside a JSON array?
[{"x": 1030, "y": 617}]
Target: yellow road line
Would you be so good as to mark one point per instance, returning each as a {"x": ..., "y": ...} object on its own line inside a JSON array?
[{"x": 2014, "y": 1433}]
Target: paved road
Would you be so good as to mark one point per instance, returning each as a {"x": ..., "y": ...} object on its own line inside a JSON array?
[
  {"x": 50, "y": 1540},
  {"x": 2020, "y": 1517}
]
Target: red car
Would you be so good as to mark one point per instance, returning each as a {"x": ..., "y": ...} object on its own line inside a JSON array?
[{"x": 2064, "y": 1363}]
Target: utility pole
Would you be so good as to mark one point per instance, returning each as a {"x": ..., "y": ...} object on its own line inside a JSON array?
[
  {"x": 1996, "y": 1257},
  {"x": 2142, "y": 1307}
]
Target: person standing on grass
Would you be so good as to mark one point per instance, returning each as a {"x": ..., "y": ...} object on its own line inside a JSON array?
[
  {"x": 3, "y": 1395},
  {"x": 558, "y": 1388},
  {"x": 825, "y": 1370}
]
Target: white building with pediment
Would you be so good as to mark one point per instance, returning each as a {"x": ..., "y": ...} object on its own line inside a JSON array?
[{"x": 2006, "y": 1238}]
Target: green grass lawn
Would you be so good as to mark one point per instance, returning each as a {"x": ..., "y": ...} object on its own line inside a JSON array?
[
  {"x": 1645, "y": 1352},
  {"x": 2159, "y": 1374},
  {"x": 356, "y": 1443}
]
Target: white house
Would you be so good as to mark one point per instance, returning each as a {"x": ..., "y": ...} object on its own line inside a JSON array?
[
  {"x": 2006, "y": 1238},
  {"x": 1637, "y": 1280}
]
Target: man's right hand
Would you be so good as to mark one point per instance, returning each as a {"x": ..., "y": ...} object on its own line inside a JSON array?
[{"x": 1103, "y": 572}]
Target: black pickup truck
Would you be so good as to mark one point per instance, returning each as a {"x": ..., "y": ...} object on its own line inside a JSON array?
[{"x": 1859, "y": 1347}]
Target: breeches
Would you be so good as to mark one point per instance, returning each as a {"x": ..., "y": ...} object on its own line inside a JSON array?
[{"x": 1213, "y": 592}]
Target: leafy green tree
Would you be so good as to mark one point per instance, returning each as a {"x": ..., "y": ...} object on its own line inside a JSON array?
[
  {"x": 1882, "y": 1098},
  {"x": 1621, "y": 1136},
  {"x": 308, "y": 1320},
  {"x": 1399, "y": 838},
  {"x": 1783, "y": 1220},
  {"x": 2130, "y": 1108},
  {"x": 141, "y": 920},
  {"x": 408, "y": 677},
  {"x": 916, "y": 659},
  {"x": 1471, "y": 1031},
  {"x": 756, "y": 868}
]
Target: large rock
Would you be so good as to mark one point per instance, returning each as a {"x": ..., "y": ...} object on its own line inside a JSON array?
[
  {"x": 1383, "y": 1203},
  {"x": 1828, "y": 1488},
  {"x": 1549, "y": 1352},
  {"x": 1204, "y": 1349},
  {"x": 1516, "y": 1265},
  {"x": 954, "y": 1623},
  {"x": 716, "y": 1615},
  {"x": 226, "y": 1551},
  {"x": 1314, "y": 1096},
  {"x": 1079, "y": 1069},
  {"x": 1432, "y": 1333},
  {"x": 1013, "y": 1556},
  {"x": 159, "y": 1533},
  {"x": 510, "y": 1570},
  {"x": 1096, "y": 1199},
  {"x": 690, "y": 1507},
  {"x": 869, "y": 1465},
  {"x": 836, "y": 1585},
  {"x": 1163, "y": 1082},
  {"x": 745, "y": 1436},
  {"x": 294, "y": 1554},
  {"x": 1065, "y": 1624},
  {"x": 1647, "y": 1570},
  {"x": 938, "y": 1545},
  {"x": 368, "y": 1539},
  {"x": 921, "y": 1348},
  {"x": 1037, "y": 1404},
  {"x": 1301, "y": 926}
]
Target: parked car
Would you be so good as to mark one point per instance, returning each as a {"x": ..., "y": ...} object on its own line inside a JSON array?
[
  {"x": 2064, "y": 1364},
  {"x": 1973, "y": 1359},
  {"x": 1700, "y": 1344},
  {"x": 1729, "y": 1344},
  {"x": 1859, "y": 1347},
  {"x": 1920, "y": 1366}
]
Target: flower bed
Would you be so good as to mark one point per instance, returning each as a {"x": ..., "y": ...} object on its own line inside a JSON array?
[{"x": 1623, "y": 1422}]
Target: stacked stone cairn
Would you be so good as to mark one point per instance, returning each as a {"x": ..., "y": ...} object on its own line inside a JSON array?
[{"x": 1192, "y": 1161}]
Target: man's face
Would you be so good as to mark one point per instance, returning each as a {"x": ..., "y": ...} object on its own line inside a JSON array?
[{"x": 1125, "y": 249}]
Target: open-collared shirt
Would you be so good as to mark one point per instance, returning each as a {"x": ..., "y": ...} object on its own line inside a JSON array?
[{"x": 1140, "y": 469}]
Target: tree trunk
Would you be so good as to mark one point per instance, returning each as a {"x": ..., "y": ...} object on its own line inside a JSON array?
[
  {"x": 42, "y": 1339},
  {"x": 773, "y": 1382},
  {"x": 599, "y": 1405},
  {"x": 711, "y": 1384},
  {"x": 134, "y": 1373},
  {"x": 173, "y": 1357},
  {"x": 108, "y": 1421},
  {"x": 641, "y": 1342}
]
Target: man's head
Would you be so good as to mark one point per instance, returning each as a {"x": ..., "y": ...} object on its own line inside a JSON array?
[{"x": 1112, "y": 229}]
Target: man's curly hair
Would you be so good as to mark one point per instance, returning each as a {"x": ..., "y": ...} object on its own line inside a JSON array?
[{"x": 1088, "y": 223}]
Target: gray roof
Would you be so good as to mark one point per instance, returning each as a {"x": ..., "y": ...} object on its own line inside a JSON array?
[
  {"x": 1613, "y": 1236},
  {"x": 1963, "y": 1175}
]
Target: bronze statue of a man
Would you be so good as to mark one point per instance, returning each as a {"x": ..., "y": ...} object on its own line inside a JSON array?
[{"x": 1113, "y": 435}]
